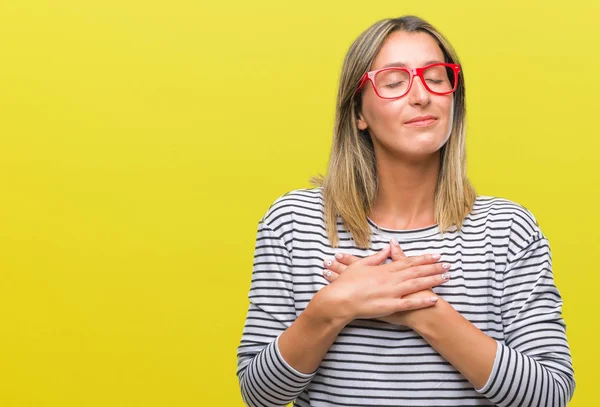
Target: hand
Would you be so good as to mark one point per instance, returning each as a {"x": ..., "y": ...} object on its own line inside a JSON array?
[
  {"x": 364, "y": 288},
  {"x": 405, "y": 317}
]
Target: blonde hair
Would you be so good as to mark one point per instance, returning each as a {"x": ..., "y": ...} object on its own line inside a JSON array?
[{"x": 350, "y": 185}]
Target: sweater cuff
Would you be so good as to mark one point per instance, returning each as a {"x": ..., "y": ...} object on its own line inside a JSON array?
[
  {"x": 501, "y": 387},
  {"x": 486, "y": 387},
  {"x": 270, "y": 381}
]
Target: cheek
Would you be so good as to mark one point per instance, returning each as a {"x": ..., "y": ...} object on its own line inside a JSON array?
[
  {"x": 384, "y": 115},
  {"x": 371, "y": 108}
]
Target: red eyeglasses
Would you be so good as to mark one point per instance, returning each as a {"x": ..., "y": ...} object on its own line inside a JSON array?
[{"x": 395, "y": 82}]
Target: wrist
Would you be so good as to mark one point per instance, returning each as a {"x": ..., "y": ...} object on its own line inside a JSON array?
[
  {"x": 425, "y": 321},
  {"x": 327, "y": 308}
]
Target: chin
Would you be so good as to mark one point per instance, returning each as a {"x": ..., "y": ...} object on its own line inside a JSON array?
[
  {"x": 419, "y": 149},
  {"x": 414, "y": 146},
  {"x": 423, "y": 153},
  {"x": 425, "y": 143}
]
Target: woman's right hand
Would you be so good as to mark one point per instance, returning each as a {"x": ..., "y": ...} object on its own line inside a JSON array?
[{"x": 369, "y": 289}]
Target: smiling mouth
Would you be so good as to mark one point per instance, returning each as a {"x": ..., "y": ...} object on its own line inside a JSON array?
[{"x": 421, "y": 123}]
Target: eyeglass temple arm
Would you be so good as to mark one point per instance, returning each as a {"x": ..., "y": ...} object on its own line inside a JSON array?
[{"x": 362, "y": 82}]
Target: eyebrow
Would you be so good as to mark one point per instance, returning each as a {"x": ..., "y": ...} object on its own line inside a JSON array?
[{"x": 402, "y": 64}]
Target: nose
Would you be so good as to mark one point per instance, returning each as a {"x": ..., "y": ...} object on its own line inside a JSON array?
[{"x": 418, "y": 93}]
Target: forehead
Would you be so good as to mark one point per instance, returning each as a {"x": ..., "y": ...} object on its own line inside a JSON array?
[{"x": 413, "y": 49}]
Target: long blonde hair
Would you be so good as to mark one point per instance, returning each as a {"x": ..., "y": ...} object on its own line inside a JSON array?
[{"x": 350, "y": 185}]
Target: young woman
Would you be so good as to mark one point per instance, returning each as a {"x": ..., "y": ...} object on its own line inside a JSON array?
[{"x": 393, "y": 283}]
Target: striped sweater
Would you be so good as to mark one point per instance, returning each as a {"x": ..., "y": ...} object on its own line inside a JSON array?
[{"x": 501, "y": 282}]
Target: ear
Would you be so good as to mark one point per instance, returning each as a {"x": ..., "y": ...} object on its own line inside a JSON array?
[{"x": 361, "y": 123}]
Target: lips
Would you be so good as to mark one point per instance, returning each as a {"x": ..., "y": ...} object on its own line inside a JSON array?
[{"x": 421, "y": 119}]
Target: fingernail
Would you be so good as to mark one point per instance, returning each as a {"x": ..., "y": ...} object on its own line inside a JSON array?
[
  {"x": 327, "y": 273},
  {"x": 339, "y": 256},
  {"x": 433, "y": 299},
  {"x": 395, "y": 242},
  {"x": 328, "y": 263},
  {"x": 436, "y": 256},
  {"x": 445, "y": 276},
  {"x": 446, "y": 265}
]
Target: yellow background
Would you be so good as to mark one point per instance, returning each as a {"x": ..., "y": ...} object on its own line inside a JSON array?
[{"x": 141, "y": 141}]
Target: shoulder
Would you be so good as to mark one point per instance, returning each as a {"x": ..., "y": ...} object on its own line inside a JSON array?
[
  {"x": 515, "y": 220},
  {"x": 299, "y": 204},
  {"x": 496, "y": 208}
]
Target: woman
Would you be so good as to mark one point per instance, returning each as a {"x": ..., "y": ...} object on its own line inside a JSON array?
[{"x": 393, "y": 283}]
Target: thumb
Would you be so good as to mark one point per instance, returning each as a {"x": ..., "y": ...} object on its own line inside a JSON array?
[{"x": 397, "y": 252}]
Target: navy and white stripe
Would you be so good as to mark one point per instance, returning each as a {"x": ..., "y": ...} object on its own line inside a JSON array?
[{"x": 501, "y": 281}]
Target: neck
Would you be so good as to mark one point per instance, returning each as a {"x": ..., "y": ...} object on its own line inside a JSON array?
[{"x": 406, "y": 192}]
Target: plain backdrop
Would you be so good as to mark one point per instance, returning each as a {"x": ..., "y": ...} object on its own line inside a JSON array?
[{"x": 141, "y": 142}]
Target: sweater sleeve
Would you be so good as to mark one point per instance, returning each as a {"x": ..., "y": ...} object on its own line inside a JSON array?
[
  {"x": 533, "y": 366},
  {"x": 264, "y": 376}
]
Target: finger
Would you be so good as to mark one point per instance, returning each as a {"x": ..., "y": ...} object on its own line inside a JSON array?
[
  {"x": 330, "y": 276},
  {"x": 410, "y": 304},
  {"x": 377, "y": 258},
  {"x": 335, "y": 266},
  {"x": 423, "y": 283},
  {"x": 412, "y": 261},
  {"x": 422, "y": 271},
  {"x": 397, "y": 252},
  {"x": 346, "y": 259}
]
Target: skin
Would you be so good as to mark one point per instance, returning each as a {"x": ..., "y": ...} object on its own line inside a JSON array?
[{"x": 386, "y": 119}]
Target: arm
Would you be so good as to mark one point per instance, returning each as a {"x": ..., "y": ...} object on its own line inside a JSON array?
[
  {"x": 265, "y": 377},
  {"x": 272, "y": 374},
  {"x": 533, "y": 366},
  {"x": 460, "y": 342},
  {"x": 279, "y": 354}
]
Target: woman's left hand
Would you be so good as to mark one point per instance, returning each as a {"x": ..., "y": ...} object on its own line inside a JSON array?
[{"x": 406, "y": 318}]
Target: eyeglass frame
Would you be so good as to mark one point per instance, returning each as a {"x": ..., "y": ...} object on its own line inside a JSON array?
[{"x": 412, "y": 72}]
